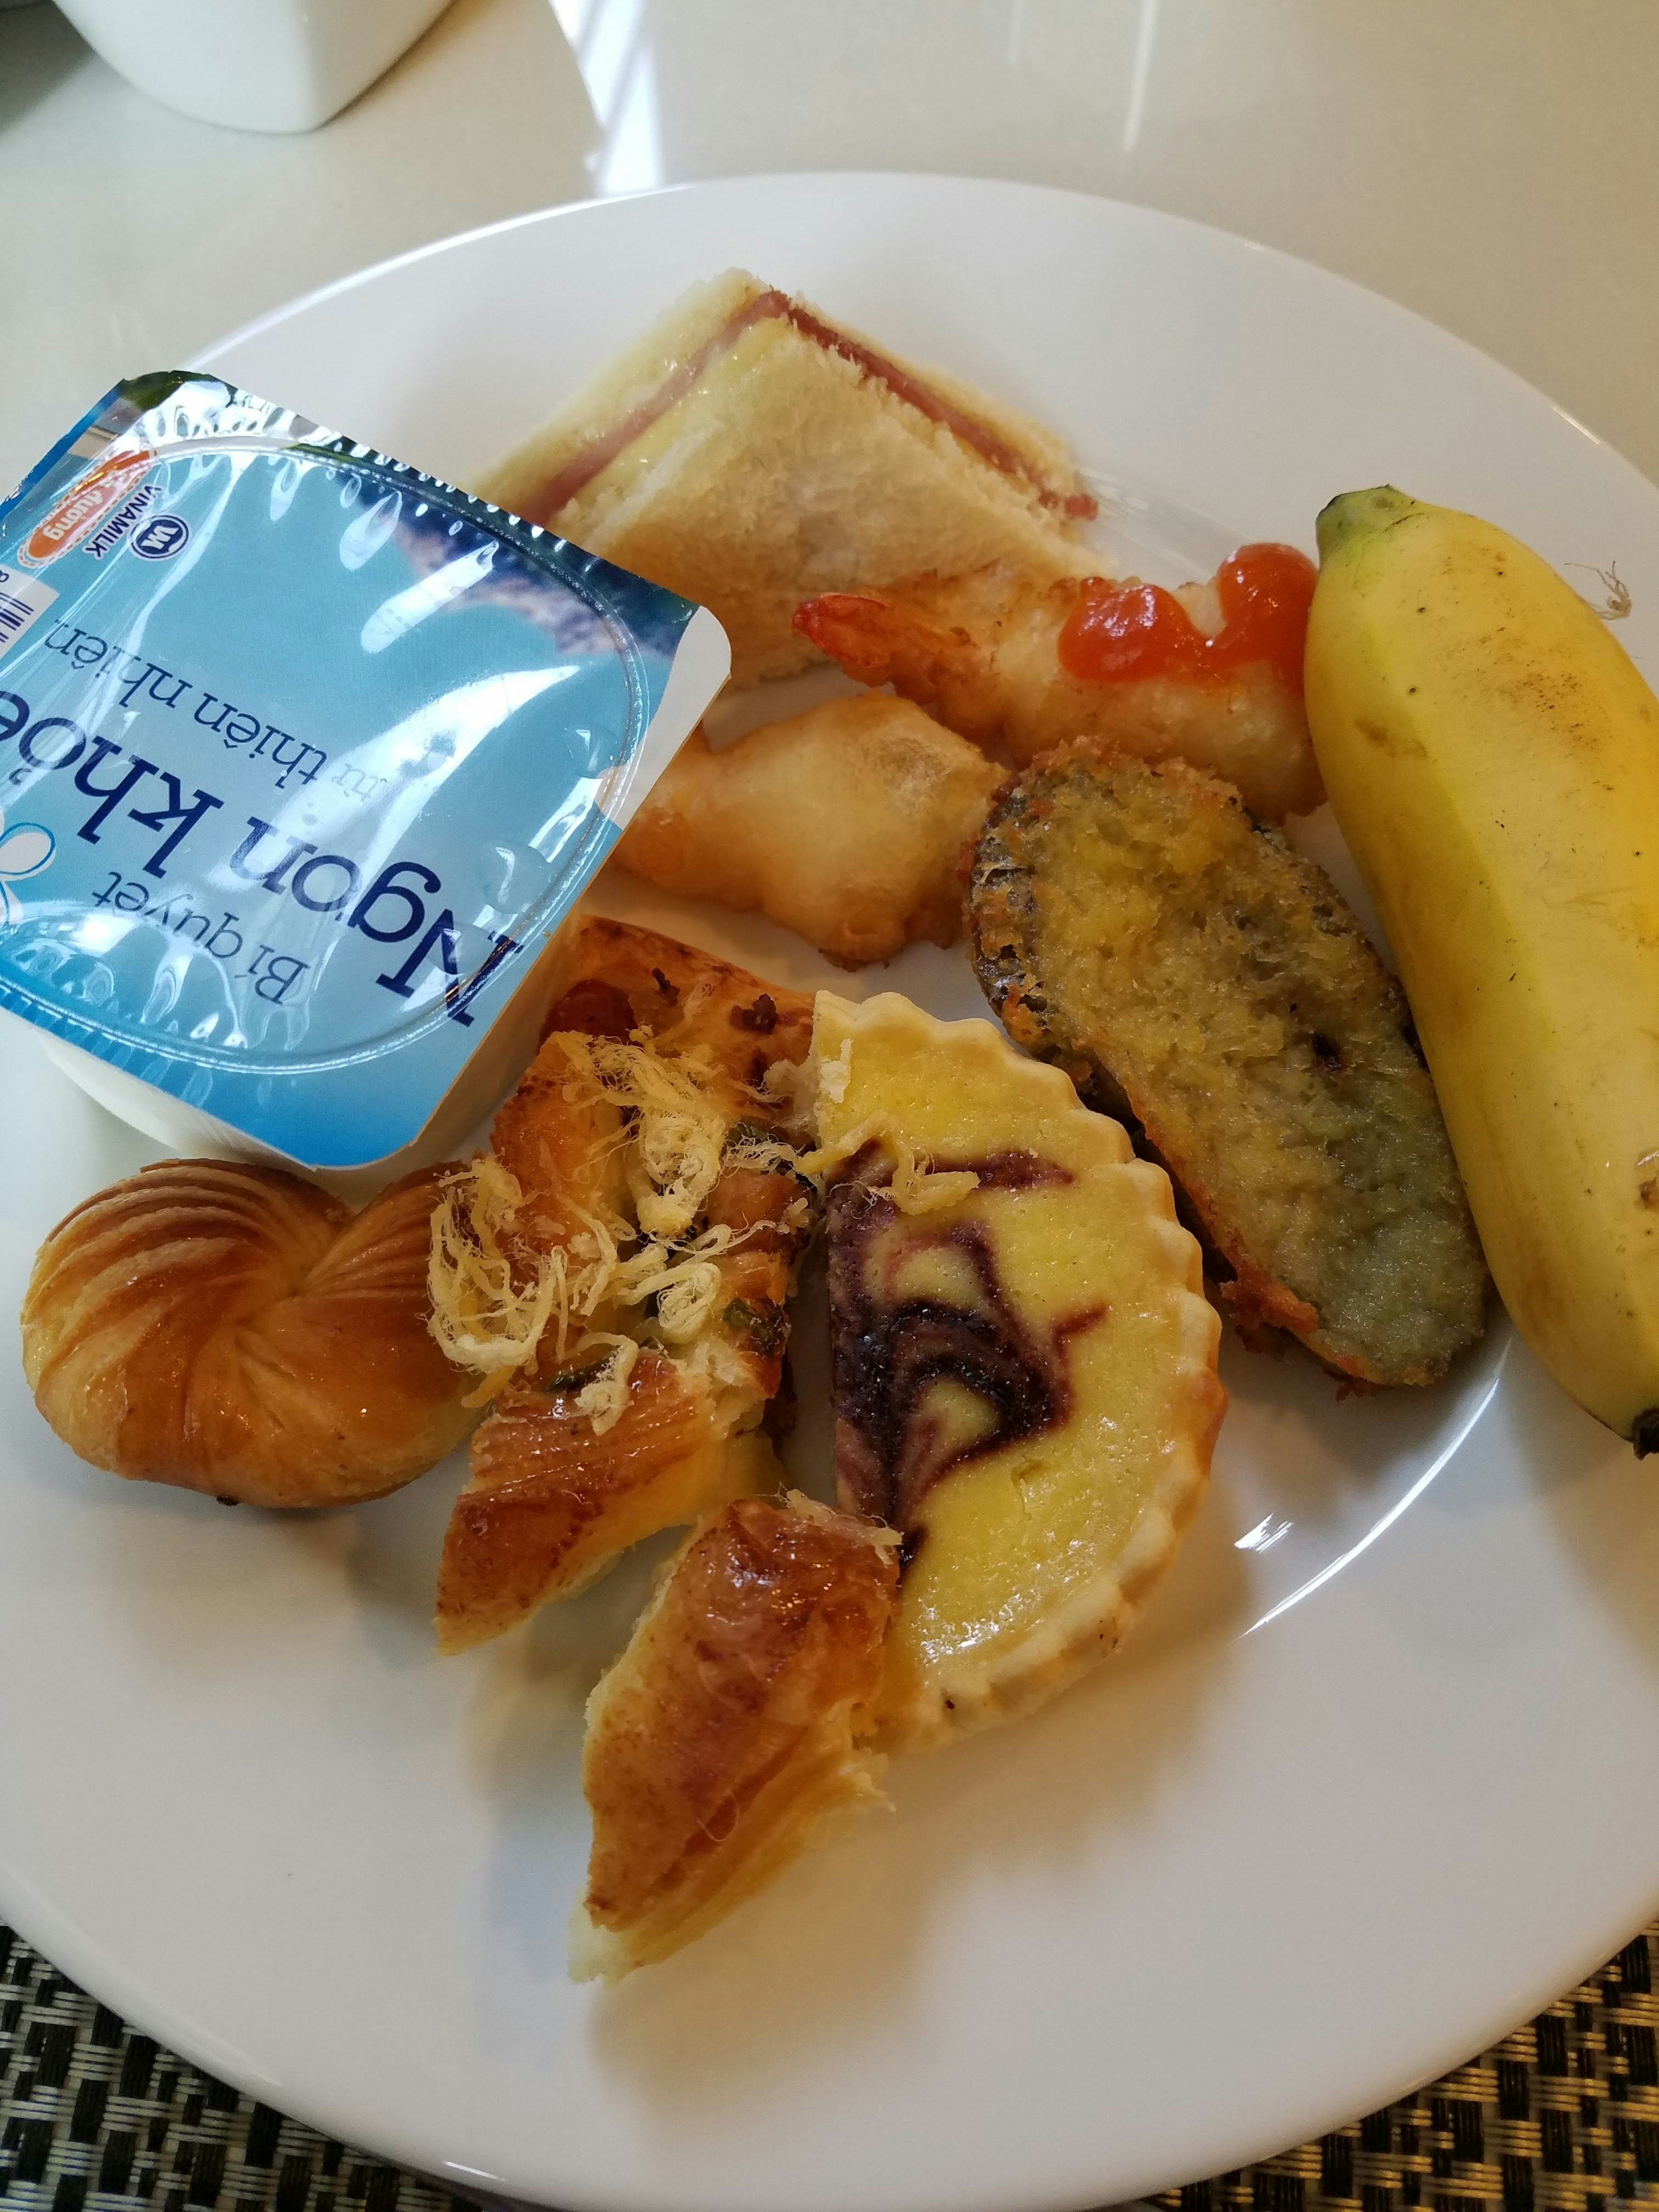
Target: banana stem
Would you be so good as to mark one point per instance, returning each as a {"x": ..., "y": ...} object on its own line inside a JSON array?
[{"x": 1354, "y": 514}]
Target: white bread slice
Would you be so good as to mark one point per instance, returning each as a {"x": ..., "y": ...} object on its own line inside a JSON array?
[{"x": 748, "y": 453}]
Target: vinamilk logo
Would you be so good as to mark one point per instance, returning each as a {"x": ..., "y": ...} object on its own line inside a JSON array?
[{"x": 88, "y": 500}]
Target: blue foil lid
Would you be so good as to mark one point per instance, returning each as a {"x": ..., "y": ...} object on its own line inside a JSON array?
[{"x": 304, "y": 756}]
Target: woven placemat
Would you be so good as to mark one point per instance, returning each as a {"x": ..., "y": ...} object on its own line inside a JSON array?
[{"x": 1562, "y": 2117}]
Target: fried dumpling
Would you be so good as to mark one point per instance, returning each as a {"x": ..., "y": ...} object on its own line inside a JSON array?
[{"x": 845, "y": 824}]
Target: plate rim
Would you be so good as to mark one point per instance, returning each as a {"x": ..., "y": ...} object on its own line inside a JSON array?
[{"x": 955, "y": 179}]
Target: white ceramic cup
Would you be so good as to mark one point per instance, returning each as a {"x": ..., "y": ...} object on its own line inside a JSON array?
[{"x": 256, "y": 64}]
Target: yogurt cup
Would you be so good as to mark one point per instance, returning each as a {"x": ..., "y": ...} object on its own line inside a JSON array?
[{"x": 304, "y": 760}]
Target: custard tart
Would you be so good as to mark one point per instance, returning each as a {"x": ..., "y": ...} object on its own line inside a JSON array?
[{"x": 1023, "y": 1360}]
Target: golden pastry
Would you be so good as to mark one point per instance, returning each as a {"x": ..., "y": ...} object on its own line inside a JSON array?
[
  {"x": 235, "y": 1330},
  {"x": 725, "y": 1739}
]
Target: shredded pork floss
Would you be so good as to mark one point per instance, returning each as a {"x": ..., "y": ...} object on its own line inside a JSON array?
[{"x": 612, "y": 1281}]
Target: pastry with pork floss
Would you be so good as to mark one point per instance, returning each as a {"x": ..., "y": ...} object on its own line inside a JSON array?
[
  {"x": 1023, "y": 1359},
  {"x": 613, "y": 1273},
  {"x": 732, "y": 1734}
]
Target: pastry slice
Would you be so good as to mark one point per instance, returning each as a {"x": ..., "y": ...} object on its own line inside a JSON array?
[
  {"x": 550, "y": 1506},
  {"x": 615, "y": 1271},
  {"x": 1023, "y": 1360},
  {"x": 727, "y": 1738}
]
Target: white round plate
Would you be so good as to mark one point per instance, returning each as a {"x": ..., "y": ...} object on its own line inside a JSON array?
[{"x": 1379, "y": 1774}]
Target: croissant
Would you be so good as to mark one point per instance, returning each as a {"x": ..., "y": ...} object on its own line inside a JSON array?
[
  {"x": 233, "y": 1329},
  {"x": 549, "y": 1506},
  {"x": 729, "y": 1737}
]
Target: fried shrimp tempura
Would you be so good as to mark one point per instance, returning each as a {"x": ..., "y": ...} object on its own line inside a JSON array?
[
  {"x": 983, "y": 652},
  {"x": 843, "y": 823}
]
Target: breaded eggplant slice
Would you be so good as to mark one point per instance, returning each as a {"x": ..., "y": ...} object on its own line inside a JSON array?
[{"x": 1197, "y": 978}]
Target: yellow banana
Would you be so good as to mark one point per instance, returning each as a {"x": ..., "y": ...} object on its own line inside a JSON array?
[{"x": 1493, "y": 756}]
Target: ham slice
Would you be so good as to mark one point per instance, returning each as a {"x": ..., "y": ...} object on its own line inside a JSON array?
[{"x": 771, "y": 305}]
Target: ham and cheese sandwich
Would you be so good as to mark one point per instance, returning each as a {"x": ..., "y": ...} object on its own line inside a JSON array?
[{"x": 749, "y": 453}]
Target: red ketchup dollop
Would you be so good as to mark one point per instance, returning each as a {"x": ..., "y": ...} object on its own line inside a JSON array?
[{"x": 1118, "y": 632}]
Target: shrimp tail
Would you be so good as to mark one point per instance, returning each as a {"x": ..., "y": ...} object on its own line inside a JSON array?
[{"x": 876, "y": 640}]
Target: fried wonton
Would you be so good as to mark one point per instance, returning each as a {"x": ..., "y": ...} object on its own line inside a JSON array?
[{"x": 846, "y": 825}]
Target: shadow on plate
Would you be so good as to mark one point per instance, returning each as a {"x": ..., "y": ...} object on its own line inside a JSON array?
[{"x": 37, "y": 49}]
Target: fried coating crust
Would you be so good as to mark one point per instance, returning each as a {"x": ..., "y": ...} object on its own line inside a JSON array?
[
  {"x": 1197, "y": 978},
  {"x": 724, "y": 1740},
  {"x": 843, "y": 823},
  {"x": 981, "y": 652}
]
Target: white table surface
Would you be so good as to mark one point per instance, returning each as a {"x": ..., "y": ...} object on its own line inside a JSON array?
[{"x": 1492, "y": 163}]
